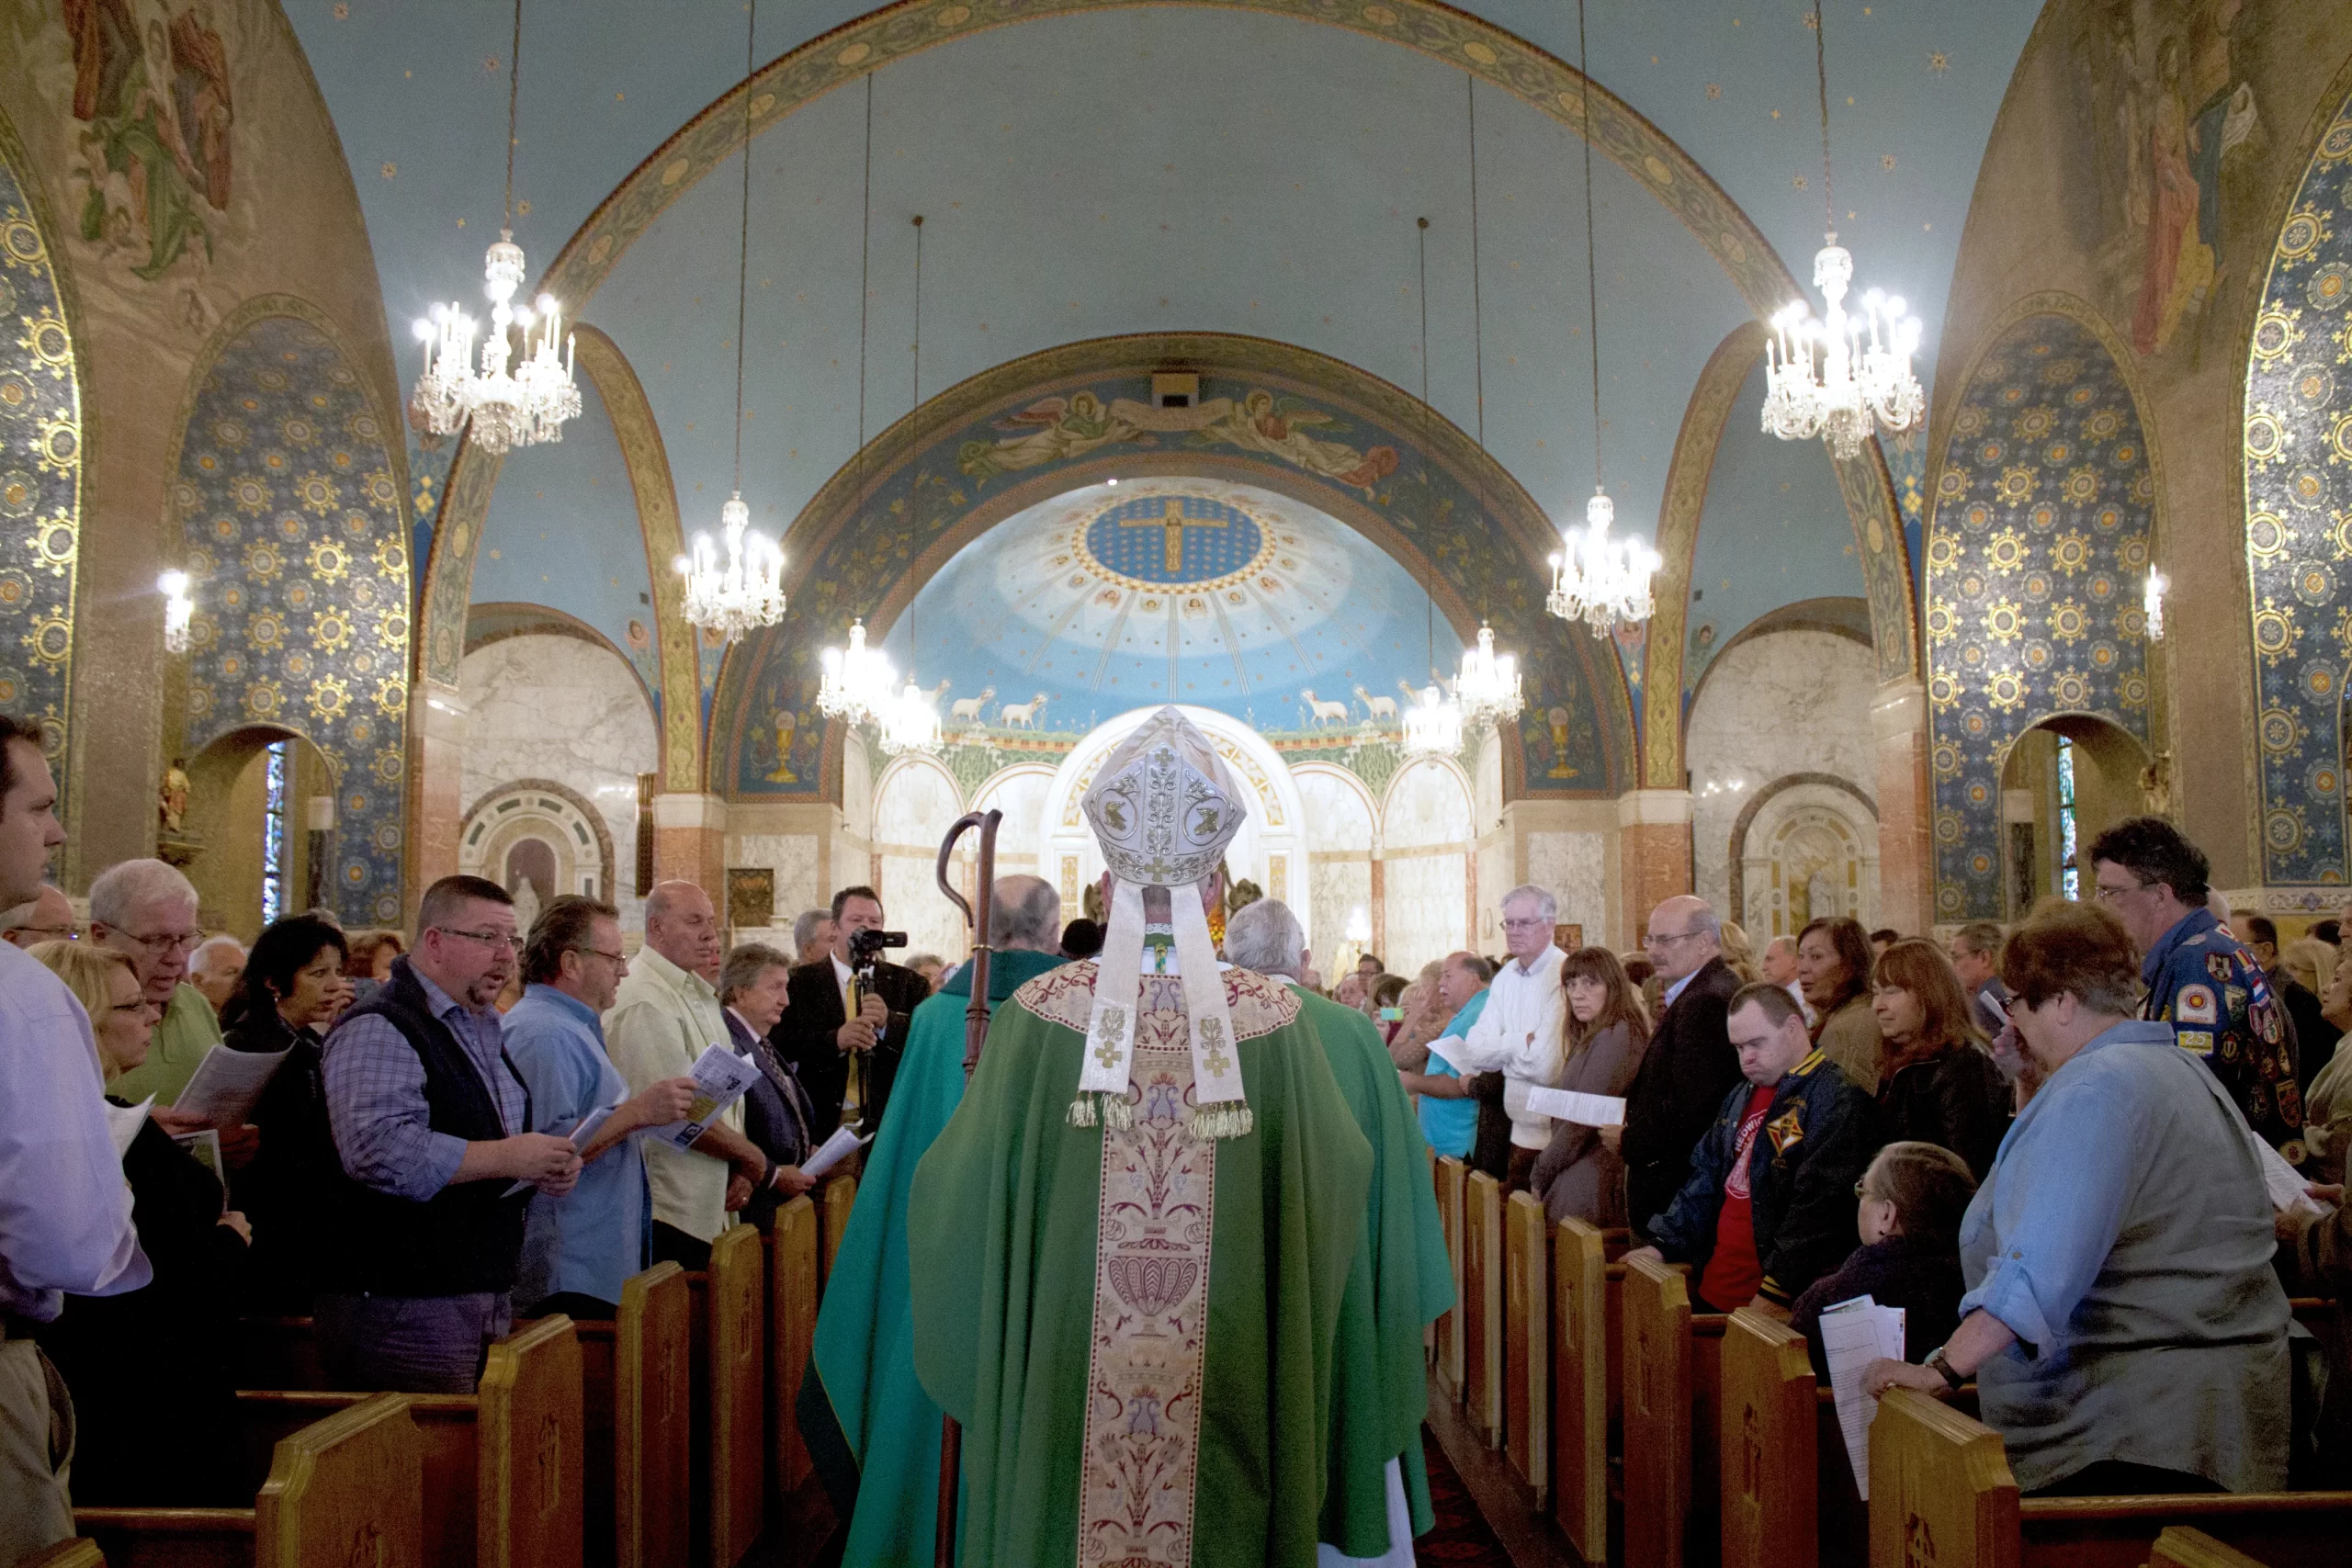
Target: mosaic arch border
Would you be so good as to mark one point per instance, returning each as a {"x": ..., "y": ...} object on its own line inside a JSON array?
[
  {"x": 2296, "y": 443},
  {"x": 40, "y": 530},
  {"x": 1999, "y": 666},
  {"x": 356, "y": 666},
  {"x": 885, "y": 524},
  {"x": 1504, "y": 60}
]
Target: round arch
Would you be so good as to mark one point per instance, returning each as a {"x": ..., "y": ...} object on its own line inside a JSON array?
[
  {"x": 580, "y": 844},
  {"x": 1383, "y": 464},
  {"x": 2047, "y": 504}
]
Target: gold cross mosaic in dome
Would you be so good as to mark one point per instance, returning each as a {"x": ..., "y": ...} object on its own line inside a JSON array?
[{"x": 1156, "y": 540}]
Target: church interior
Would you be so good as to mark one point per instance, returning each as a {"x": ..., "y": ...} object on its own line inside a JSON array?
[{"x": 1432, "y": 401}]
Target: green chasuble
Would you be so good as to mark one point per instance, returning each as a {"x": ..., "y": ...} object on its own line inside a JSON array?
[
  {"x": 1133, "y": 1325},
  {"x": 1399, "y": 1282},
  {"x": 872, "y": 1430}
]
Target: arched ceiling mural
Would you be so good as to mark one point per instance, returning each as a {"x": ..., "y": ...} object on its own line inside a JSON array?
[
  {"x": 1265, "y": 181},
  {"x": 1176, "y": 589}
]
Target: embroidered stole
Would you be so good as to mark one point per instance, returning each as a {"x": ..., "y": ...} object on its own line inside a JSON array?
[{"x": 1150, "y": 1345}]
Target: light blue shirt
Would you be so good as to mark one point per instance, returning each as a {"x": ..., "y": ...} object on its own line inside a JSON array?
[
  {"x": 594, "y": 1237},
  {"x": 64, "y": 1206},
  {"x": 1451, "y": 1125},
  {"x": 2124, "y": 1235}
]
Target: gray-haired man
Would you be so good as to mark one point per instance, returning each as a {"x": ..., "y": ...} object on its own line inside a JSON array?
[{"x": 1521, "y": 1033}]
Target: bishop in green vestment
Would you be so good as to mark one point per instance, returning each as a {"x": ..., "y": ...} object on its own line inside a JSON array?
[
  {"x": 871, "y": 1429},
  {"x": 1400, "y": 1281},
  {"x": 1129, "y": 1298}
]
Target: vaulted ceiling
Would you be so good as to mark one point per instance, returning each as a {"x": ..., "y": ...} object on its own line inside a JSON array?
[{"x": 1253, "y": 167}]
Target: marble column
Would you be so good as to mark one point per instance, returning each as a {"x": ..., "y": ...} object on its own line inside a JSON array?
[
  {"x": 1906, "y": 879},
  {"x": 1653, "y": 852},
  {"x": 690, "y": 842},
  {"x": 437, "y": 804}
]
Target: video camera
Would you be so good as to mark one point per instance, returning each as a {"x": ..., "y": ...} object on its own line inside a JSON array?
[{"x": 865, "y": 947}]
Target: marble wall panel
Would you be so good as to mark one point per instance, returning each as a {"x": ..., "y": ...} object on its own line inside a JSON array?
[
  {"x": 1574, "y": 867},
  {"x": 559, "y": 709},
  {"x": 1335, "y": 889},
  {"x": 1424, "y": 898},
  {"x": 1337, "y": 815},
  {"x": 1427, "y": 805},
  {"x": 1021, "y": 838},
  {"x": 911, "y": 812},
  {"x": 1790, "y": 702}
]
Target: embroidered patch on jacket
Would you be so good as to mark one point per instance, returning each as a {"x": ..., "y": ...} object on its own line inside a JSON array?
[
  {"x": 2196, "y": 1039},
  {"x": 2217, "y": 964},
  {"x": 2195, "y": 1004},
  {"x": 1786, "y": 1130}
]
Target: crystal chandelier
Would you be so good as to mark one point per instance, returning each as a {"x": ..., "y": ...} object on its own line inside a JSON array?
[
  {"x": 1432, "y": 723},
  {"x": 179, "y": 610},
  {"x": 2151, "y": 601},
  {"x": 508, "y": 408},
  {"x": 1598, "y": 580},
  {"x": 1595, "y": 579},
  {"x": 749, "y": 590},
  {"x": 1863, "y": 378},
  {"x": 1487, "y": 687},
  {"x": 910, "y": 722},
  {"x": 858, "y": 685}
]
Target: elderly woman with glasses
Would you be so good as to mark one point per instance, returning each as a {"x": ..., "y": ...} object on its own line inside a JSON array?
[{"x": 2122, "y": 1322}]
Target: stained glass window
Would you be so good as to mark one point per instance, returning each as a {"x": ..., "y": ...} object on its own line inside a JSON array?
[
  {"x": 2070, "y": 872},
  {"x": 273, "y": 831}
]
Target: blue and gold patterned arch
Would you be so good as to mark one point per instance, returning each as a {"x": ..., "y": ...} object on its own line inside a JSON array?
[
  {"x": 290, "y": 508},
  {"x": 2298, "y": 520},
  {"x": 1380, "y": 462},
  {"x": 40, "y": 467},
  {"x": 2041, "y": 529}
]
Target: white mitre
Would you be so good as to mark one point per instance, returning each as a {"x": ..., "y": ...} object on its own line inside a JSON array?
[{"x": 1163, "y": 807}]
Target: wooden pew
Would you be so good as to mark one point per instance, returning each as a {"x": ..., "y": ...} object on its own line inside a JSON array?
[
  {"x": 1770, "y": 1436},
  {"x": 1482, "y": 1328},
  {"x": 1942, "y": 1490},
  {"x": 652, "y": 1406},
  {"x": 1527, "y": 1343},
  {"x": 2180, "y": 1547},
  {"x": 1587, "y": 1385},
  {"x": 793, "y": 1247},
  {"x": 79, "y": 1553},
  {"x": 728, "y": 1347},
  {"x": 839, "y": 1194},
  {"x": 1451, "y": 1178},
  {"x": 1673, "y": 1396},
  {"x": 347, "y": 1489},
  {"x": 501, "y": 1468}
]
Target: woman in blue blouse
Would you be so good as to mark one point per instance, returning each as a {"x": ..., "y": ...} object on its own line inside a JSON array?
[{"x": 2122, "y": 1322}]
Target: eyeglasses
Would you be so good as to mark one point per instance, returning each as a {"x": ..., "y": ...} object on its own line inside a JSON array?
[
  {"x": 165, "y": 942},
  {"x": 493, "y": 939},
  {"x": 1660, "y": 939},
  {"x": 2106, "y": 895},
  {"x": 614, "y": 957},
  {"x": 63, "y": 933},
  {"x": 1528, "y": 925}
]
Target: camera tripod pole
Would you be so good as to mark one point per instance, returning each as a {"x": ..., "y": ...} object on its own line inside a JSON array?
[{"x": 976, "y": 1034}]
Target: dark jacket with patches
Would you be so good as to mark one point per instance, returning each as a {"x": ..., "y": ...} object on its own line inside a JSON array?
[
  {"x": 2203, "y": 982},
  {"x": 1818, "y": 1135}
]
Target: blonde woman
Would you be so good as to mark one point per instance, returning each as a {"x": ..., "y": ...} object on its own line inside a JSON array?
[
  {"x": 1739, "y": 954},
  {"x": 116, "y": 1352}
]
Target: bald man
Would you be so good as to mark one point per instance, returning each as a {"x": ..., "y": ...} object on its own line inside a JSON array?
[
  {"x": 47, "y": 916},
  {"x": 1690, "y": 1065}
]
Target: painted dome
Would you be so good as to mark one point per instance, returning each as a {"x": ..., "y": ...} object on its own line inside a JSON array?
[{"x": 1172, "y": 589}]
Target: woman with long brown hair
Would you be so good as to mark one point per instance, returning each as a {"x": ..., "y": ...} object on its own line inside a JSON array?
[
  {"x": 1935, "y": 1084},
  {"x": 1607, "y": 1033},
  {"x": 1834, "y": 967}
]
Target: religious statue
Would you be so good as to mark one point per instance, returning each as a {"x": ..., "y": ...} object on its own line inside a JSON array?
[
  {"x": 171, "y": 801},
  {"x": 2156, "y": 785}
]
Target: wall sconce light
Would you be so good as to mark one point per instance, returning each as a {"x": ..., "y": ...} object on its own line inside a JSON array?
[{"x": 179, "y": 609}]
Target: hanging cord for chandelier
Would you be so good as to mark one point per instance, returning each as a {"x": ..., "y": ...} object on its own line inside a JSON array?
[
  {"x": 743, "y": 237},
  {"x": 1821, "y": 74},
  {"x": 1595, "y": 579},
  {"x": 1485, "y": 686},
  {"x": 865, "y": 261},
  {"x": 1478, "y": 315},
  {"x": 917, "y": 348},
  {"x": 1432, "y": 721},
  {"x": 513, "y": 100}
]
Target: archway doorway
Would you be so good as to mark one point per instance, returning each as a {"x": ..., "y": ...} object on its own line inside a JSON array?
[
  {"x": 2066, "y": 780},
  {"x": 256, "y": 835}
]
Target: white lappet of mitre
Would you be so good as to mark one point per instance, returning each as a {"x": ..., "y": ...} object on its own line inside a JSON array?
[{"x": 1164, "y": 807}]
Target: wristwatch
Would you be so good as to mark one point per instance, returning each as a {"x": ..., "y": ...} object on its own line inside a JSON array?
[{"x": 1940, "y": 1364}]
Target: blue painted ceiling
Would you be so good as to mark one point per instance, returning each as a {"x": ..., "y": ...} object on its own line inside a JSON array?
[
  {"x": 1165, "y": 168},
  {"x": 1097, "y": 601}
]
